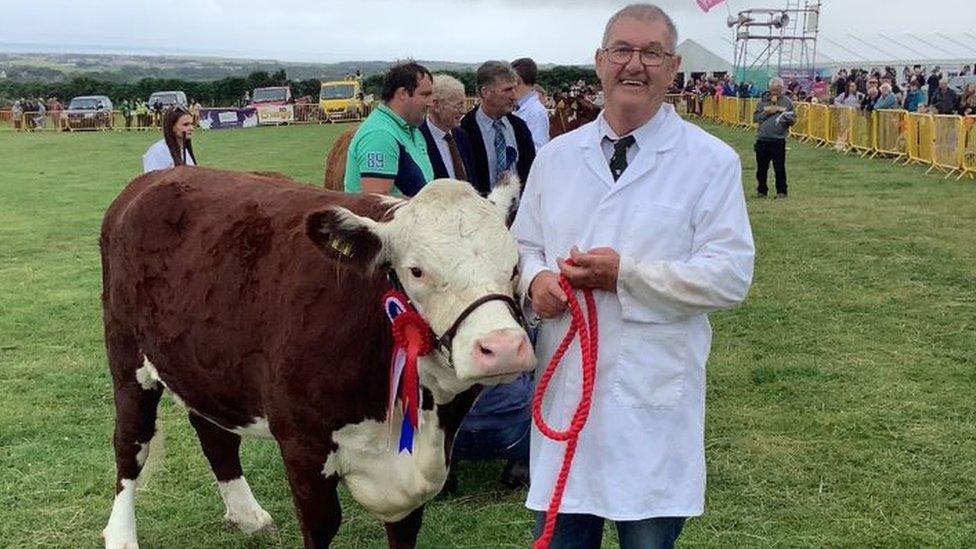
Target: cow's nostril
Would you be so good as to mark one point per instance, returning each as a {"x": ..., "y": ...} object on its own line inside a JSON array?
[{"x": 485, "y": 350}]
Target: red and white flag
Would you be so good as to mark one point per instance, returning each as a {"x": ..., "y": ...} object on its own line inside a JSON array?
[{"x": 706, "y": 5}]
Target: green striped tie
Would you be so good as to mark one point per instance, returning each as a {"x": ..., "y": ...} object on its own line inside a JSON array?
[{"x": 619, "y": 161}]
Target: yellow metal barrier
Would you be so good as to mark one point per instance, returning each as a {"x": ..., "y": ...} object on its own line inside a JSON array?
[
  {"x": 709, "y": 108},
  {"x": 969, "y": 151},
  {"x": 862, "y": 133},
  {"x": 801, "y": 129},
  {"x": 819, "y": 123},
  {"x": 748, "y": 109},
  {"x": 726, "y": 110},
  {"x": 841, "y": 126},
  {"x": 919, "y": 137},
  {"x": 889, "y": 133},
  {"x": 949, "y": 144}
]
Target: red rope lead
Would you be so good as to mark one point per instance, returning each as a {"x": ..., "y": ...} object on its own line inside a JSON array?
[{"x": 588, "y": 336}]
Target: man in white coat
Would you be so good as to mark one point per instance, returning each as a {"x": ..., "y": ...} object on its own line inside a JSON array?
[{"x": 651, "y": 211}]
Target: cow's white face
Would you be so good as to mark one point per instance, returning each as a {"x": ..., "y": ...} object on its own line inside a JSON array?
[{"x": 449, "y": 247}]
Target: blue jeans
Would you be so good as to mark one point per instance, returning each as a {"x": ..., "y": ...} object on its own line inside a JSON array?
[
  {"x": 586, "y": 532},
  {"x": 510, "y": 442}
]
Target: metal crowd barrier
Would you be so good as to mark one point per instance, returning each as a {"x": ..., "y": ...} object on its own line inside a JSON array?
[
  {"x": 889, "y": 132},
  {"x": 919, "y": 137},
  {"x": 840, "y": 127},
  {"x": 819, "y": 120},
  {"x": 801, "y": 128},
  {"x": 943, "y": 142},
  {"x": 949, "y": 143},
  {"x": 305, "y": 113}
]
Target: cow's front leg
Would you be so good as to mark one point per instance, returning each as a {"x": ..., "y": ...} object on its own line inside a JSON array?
[
  {"x": 403, "y": 534},
  {"x": 315, "y": 495}
]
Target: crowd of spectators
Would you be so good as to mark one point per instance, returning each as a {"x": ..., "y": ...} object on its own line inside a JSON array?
[
  {"x": 915, "y": 89},
  {"x": 30, "y": 113}
]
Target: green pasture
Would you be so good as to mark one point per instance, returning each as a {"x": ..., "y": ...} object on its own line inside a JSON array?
[{"x": 841, "y": 396}]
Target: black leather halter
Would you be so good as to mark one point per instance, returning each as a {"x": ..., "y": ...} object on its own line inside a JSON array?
[{"x": 445, "y": 342}]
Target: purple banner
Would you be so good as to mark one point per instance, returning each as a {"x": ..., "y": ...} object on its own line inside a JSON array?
[{"x": 222, "y": 119}]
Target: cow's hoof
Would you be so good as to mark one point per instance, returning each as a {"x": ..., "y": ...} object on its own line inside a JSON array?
[{"x": 251, "y": 521}]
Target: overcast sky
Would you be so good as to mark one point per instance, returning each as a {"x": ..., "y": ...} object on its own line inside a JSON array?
[{"x": 551, "y": 31}]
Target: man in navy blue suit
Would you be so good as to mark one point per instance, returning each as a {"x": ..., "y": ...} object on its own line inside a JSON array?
[
  {"x": 500, "y": 140},
  {"x": 448, "y": 146}
]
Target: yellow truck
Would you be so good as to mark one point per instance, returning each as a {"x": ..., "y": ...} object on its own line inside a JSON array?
[{"x": 343, "y": 99}]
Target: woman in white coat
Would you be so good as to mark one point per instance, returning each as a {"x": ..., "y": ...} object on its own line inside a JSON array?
[
  {"x": 652, "y": 213},
  {"x": 175, "y": 148}
]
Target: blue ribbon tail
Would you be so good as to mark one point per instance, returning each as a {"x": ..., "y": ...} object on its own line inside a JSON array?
[{"x": 406, "y": 436}]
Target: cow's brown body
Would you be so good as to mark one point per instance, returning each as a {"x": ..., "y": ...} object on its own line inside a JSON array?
[
  {"x": 335, "y": 161},
  {"x": 210, "y": 277}
]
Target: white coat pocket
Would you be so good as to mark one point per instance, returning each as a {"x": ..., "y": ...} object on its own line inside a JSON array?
[{"x": 652, "y": 369}]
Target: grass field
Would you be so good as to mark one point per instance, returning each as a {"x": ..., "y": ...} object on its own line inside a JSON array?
[{"x": 841, "y": 396}]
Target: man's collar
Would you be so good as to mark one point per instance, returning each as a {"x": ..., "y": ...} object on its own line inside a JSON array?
[
  {"x": 527, "y": 98},
  {"x": 657, "y": 134},
  {"x": 435, "y": 131},
  {"x": 484, "y": 118},
  {"x": 383, "y": 108}
]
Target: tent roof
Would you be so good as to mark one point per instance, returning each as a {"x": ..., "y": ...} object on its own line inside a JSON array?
[
  {"x": 698, "y": 58},
  {"x": 877, "y": 49},
  {"x": 896, "y": 49}
]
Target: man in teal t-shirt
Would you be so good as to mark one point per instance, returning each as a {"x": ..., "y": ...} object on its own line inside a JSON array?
[{"x": 388, "y": 154}]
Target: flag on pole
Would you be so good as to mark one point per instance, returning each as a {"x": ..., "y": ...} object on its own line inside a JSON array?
[{"x": 706, "y": 5}]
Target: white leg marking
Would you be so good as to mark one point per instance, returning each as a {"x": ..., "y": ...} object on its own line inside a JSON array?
[
  {"x": 243, "y": 511},
  {"x": 120, "y": 533}
]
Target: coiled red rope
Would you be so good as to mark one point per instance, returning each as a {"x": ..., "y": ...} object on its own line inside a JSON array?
[{"x": 586, "y": 328}]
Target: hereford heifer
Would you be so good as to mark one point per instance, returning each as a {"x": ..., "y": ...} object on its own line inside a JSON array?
[{"x": 255, "y": 302}]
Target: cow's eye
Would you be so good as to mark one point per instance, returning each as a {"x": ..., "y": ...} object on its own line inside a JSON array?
[{"x": 416, "y": 272}]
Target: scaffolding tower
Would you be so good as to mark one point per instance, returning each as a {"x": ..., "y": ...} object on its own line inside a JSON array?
[{"x": 774, "y": 41}]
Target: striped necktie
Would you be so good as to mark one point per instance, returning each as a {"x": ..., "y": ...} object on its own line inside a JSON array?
[{"x": 501, "y": 163}]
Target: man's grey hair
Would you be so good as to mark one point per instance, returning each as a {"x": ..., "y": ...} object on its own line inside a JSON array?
[
  {"x": 446, "y": 85},
  {"x": 643, "y": 12},
  {"x": 775, "y": 81},
  {"x": 491, "y": 72}
]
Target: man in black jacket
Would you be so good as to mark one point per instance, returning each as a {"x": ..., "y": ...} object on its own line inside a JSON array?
[
  {"x": 448, "y": 146},
  {"x": 500, "y": 140}
]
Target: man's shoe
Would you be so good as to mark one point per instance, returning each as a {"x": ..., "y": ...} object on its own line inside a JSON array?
[
  {"x": 781, "y": 196},
  {"x": 516, "y": 474}
]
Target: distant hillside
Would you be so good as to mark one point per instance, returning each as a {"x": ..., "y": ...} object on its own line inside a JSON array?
[{"x": 54, "y": 67}]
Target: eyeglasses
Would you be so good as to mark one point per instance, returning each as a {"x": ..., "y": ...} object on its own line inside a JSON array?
[{"x": 621, "y": 55}]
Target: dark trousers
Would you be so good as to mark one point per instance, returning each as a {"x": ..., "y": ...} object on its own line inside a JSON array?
[
  {"x": 775, "y": 151},
  {"x": 586, "y": 532}
]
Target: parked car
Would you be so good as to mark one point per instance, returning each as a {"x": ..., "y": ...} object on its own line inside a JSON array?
[
  {"x": 88, "y": 112},
  {"x": 167, "y": 99}
]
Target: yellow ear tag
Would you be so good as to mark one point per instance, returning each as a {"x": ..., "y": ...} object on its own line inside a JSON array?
[{"x": 341, "y": 246}]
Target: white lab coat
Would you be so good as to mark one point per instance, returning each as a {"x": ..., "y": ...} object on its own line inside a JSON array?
[
  {"x": 678, "y": 218},
  {"x": 157, "y": 157}
]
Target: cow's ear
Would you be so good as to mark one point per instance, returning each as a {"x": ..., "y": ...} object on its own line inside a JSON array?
[
  {"x": 505, "y": 197},
  {"x": 346, "y": 237}
]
